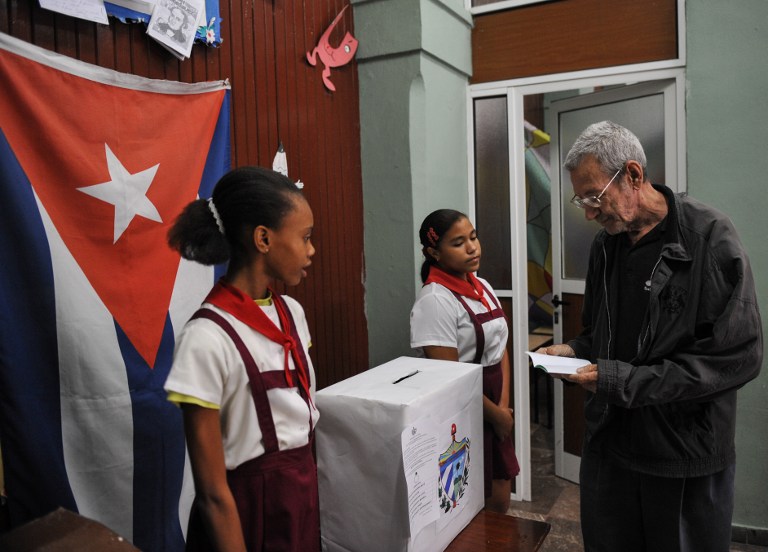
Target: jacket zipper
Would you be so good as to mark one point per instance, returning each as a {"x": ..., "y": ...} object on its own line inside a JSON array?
[
  {"x": 607, "y": 299},
  {"x": 641, "y": 340}
]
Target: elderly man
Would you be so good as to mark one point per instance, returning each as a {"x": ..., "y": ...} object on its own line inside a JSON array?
[{"x": 672, "y": 326}]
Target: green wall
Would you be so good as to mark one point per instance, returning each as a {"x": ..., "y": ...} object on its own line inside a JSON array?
[
  {"x": 413, "y": 65},
  {"x": 727, "y": 123}
]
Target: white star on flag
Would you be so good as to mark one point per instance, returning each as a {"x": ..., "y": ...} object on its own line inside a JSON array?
[{"x": 127, "y": 192}]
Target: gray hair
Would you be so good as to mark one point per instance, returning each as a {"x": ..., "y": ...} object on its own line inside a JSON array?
[{"x": 612, "y": 146}]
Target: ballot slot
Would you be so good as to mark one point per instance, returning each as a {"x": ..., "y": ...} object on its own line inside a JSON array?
[{"x": 398, "y": 380}]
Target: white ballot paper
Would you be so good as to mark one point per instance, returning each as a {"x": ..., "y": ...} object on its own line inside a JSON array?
[
  {"x": 420, "y": 464},
  {"x": 400, "y": 456},
  {"x": 141, "y": 6},
  {"x": 90, "y": 10},
  {"x": 557, "y": 365}
]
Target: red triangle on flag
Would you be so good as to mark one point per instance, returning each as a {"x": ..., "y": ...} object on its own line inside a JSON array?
[{"x": 63, "y": 129}]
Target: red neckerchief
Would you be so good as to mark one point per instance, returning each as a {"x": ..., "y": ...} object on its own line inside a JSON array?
[
  {"x": 243, "y": 307},
  {"x": 468, "y": 288}
]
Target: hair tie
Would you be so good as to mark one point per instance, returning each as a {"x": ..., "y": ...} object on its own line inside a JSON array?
[
  {"x": 432, "y": 237},
  {"x": 215, "y": 213}
]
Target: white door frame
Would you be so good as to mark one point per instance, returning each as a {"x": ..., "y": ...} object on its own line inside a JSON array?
[{"x": 515, "y": 90}]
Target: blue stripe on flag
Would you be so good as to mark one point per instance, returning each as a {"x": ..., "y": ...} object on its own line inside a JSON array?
[
  {"x": 218, "y": 162},
  {"x": 158, "y": 439},
  {"x": 30, "y": 409},
  {"x": 219, "y": 154}
]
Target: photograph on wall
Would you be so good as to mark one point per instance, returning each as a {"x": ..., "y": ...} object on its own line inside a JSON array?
[
  {"x": 140, "y": 11},
  {"x": 174, "y": 23}
]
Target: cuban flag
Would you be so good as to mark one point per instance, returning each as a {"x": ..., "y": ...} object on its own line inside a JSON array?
[{"x": 95, "y": 166}]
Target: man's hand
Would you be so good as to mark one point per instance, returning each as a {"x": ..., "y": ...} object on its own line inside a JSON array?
[
  {"x": 586, "y": 376},
  {"x": 561, "y": 349}
]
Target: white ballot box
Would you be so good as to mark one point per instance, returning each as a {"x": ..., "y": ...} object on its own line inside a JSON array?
[{"x": 400, "y": 456}]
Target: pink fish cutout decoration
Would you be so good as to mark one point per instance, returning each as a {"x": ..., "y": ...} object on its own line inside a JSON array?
[{"x": 330, "y": 56}]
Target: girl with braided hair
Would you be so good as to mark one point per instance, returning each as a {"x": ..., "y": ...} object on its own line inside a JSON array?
[{"x": 242, "y": 373}]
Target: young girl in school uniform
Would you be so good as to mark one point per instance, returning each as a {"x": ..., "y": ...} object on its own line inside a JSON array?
[
  {"x": 241, "y": 370},
  {"x": 457, "y": 317}
]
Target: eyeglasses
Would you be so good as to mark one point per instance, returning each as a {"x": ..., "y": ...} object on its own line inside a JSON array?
[{"x": 593, "y": 201}]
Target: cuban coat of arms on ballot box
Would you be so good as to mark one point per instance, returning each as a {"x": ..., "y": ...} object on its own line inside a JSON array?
[{"x": 454, "y": 472}]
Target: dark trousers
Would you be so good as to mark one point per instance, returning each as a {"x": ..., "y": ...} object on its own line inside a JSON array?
[{"x": 627, "y": 511}]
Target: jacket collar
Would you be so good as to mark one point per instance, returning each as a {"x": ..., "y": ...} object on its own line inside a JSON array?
[{"x": 674, "y": 240}]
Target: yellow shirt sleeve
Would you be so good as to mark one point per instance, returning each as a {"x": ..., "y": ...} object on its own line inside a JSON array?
[{"x": 178, "y": 399}]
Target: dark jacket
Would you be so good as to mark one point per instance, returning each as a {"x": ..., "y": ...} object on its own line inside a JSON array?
[{"x": 671, "y": 411}]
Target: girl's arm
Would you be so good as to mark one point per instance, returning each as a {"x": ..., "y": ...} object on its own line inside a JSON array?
[
  {"x": 506, "y": 372},
  {"x": 213, "y": 497},
  {"x": 498, "y": 415},
  {"x": 436, "y": 352},
  {"x": 505, "y": 419}
]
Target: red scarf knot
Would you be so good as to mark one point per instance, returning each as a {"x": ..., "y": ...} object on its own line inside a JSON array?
[
  {"x": 289, "y": 345},
  {"x": 242, "y": 307},
  {"x": 470, "y": 287}
]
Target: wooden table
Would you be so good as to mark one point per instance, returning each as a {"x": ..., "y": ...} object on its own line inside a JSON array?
[
  {"x": 493, "y": 532},
  {"x": 63, "y": 530}
]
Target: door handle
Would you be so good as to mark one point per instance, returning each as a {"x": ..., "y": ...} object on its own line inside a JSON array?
[{"x": 557, "y": 302}]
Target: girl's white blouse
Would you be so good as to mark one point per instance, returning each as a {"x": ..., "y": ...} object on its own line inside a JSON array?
[{"x": 438, "y": 319}]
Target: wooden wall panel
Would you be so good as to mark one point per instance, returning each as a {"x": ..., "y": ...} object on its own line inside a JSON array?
[
  {"x": 276, "y": 97},
  {"x": 572, "y": 35}
]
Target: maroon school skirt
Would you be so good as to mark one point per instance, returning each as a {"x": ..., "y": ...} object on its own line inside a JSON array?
[
  {"x": 277, "y": 500},
  {"x": 500, "y": 458}
]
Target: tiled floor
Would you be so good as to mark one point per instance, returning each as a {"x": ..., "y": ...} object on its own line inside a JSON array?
[{"x": 556, "y": 500}]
